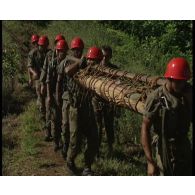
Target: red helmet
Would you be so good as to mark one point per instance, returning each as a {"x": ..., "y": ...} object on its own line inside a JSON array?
[
  {"x": 94, "y": 53},
  {"x": 77, "y": 42},
  {"x": 34, "y": 38},
  {"x": 62, "y": 45},
  {"x": 43, "y": 40},
  {"x": 59, "y": 37},
  {"x": 178, "y": 68}
]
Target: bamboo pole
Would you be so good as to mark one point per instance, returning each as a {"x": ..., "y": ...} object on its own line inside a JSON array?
[
  {"x": 120, "y": 73},
  {"x": 131, "y": 76}
]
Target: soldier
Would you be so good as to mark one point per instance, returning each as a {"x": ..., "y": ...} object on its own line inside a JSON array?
[
  {"x": 34, "y": 41},
  {"x": 104, "y": 111},
  {"x": 35, "y": 64},
  {"x": 169, "y": 110},
  {"x": 55, "y": 109},
  {"x": 81, "y": 116},
  {"x": 51, "y": 54},
  {"x": 77, "y": 47}
]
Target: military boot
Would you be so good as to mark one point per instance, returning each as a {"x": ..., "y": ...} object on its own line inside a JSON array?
[
  {"x": 56, "y": 146},
  {"x": 48, "y": 136},
  {"x": 87, "y": 172},
  {"x": 110, "y": 151},
  {"x": 71, "y": 167},
  {"x": 64, "y": 151}
]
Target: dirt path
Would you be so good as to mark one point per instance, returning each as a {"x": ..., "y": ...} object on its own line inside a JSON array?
[
  {"x": 17, "y": 162},
  {"x": 44, "y": 162},
  {"x": 47, "y": 162}
]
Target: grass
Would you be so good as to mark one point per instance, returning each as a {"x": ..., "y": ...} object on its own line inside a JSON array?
[
  {"x": 31, "y": 123},
  {"x": 125, "y": 161},
  {"x": 20, "y": 142}
]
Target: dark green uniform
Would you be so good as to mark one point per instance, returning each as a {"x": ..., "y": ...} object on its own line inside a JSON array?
[
  {"x": 49, "y": 57},
  {"x": 104, "y": 112},
  {"x": 170, "y": 117},
  {"x": 36, "y": 61},
  {"x": 80, "y": 118},
  {"x": 53, "y": 114}
]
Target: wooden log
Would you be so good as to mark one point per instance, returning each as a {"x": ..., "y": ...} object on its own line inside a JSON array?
[{"x": 113, "y": 92}]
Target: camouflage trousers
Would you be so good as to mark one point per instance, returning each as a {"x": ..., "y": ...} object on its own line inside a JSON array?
[
  {"x": 179, "y": 158},
  {"x": 82, "y": 124},
  {"x": 104, "y": 114},
  {"x": 40, "y": 98},
  {"x": 53, "y": 121}
]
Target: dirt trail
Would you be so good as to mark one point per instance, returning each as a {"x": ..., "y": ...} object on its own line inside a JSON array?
[
  {"x": 47, "y": 161},
  {"x": 15, "y": 162},
  {"x": 44, "y": 162}
]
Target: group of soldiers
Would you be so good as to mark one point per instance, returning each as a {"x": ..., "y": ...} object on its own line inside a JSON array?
[{"x": 72, "y": 112}]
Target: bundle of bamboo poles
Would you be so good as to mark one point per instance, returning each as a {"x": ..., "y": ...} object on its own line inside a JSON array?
[
  {"x": 115, "y": 73},
  {"x": 114, "y": 91},
  {"x": 108, "y": 84}
]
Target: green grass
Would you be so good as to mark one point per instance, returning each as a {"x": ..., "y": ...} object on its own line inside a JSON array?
[
  {"x": 31, "y": 123},
  {"x": 122, "y": 163},
  {"x": 21, "y": 144}
]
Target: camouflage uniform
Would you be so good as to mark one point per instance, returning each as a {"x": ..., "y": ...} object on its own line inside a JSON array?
[
  {"x": 53, "y": 110},
  {"x": 36, "y": 61},
  {"x": 171, "y": 123},
  {"x": 80, "y": 118},
  {"x": 104, "y": 112},
  {"x": 49, "y": 57}
]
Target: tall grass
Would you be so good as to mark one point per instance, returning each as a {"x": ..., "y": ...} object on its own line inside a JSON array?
[{"x": 31, "y": 123}]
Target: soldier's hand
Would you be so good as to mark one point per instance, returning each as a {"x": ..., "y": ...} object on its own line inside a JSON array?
[
  {"x": 30, "y": 82},
  {"x": 83, "y": 62},
  {"x": 48, "y": 100},
  {"x": 152, "y": 169},
  {"x": 58, "y": 103},
  {"x": 43, "y": 88},
  {"x": 35, "y": 76}
]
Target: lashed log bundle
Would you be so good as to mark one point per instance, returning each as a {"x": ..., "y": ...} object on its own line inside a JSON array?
[
  {"x": 124, "y": 74},
  {"x": 113, "y": 91},
  {"x": 114, "y": 73}
]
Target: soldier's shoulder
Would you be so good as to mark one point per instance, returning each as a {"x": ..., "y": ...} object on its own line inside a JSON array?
[
  {"x": 55, "y": 61},
  {"x": 49, "y": 55},
  {"x": 157, "y": 93},
  {"x": 49, "y": 52},
  {"x": 61, "y": 64},
  {"x": 33, "y": 51},
  {"x": 63, "y": 61},
  {"x": 70, "y": 59},
  {"x": 188, "y": 88}
]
